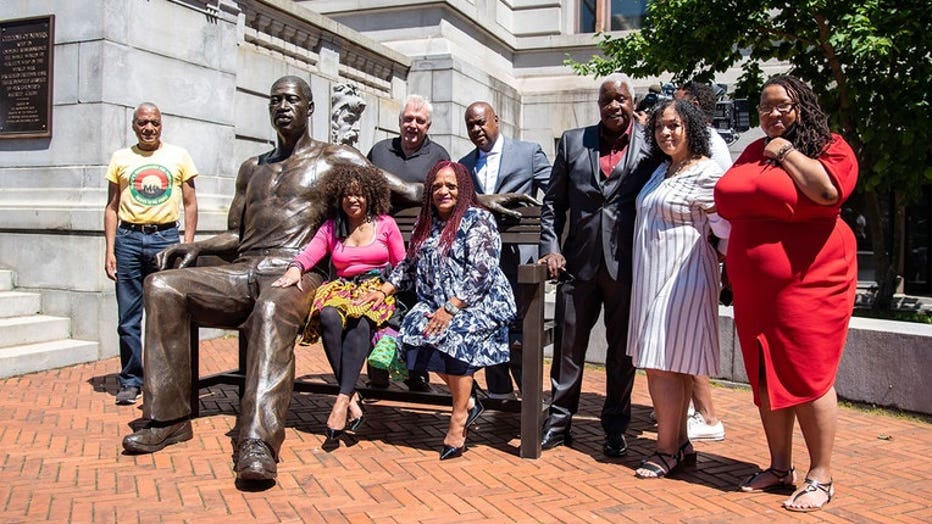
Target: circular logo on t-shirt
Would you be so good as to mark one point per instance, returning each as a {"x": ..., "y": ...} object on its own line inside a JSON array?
[{"x": 151, "y": 184}]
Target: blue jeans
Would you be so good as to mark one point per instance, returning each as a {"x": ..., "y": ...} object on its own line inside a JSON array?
[{"x": 135, "y": 257}]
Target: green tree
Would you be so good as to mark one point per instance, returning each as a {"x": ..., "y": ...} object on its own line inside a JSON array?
[{"x": 868, "y": 61}]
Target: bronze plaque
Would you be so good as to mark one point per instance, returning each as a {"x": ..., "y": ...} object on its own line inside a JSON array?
[{"x": 26, "y": 51}]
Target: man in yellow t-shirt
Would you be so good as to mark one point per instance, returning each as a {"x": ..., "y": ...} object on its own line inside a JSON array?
[{"x": 148, "y": 184}]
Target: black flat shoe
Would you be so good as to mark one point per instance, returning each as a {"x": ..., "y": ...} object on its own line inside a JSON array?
[
  {"x": 419, "y": 383},
  {"x": 450, "y": 452},
  {"x": 554, "y": 437},
  {"x": 615, "y": 445},
  {"x": 477, "y": 409}
]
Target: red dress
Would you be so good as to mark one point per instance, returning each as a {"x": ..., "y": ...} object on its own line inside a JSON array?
[{"x": 793, "y": 270}]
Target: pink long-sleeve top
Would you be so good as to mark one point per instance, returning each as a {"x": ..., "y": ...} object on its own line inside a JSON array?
[{"x": 387, "y": 246}]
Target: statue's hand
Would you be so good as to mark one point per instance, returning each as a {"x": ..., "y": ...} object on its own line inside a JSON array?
[
  {"x": 188, "y": 254},
  {"x": 500, "y": 204}
]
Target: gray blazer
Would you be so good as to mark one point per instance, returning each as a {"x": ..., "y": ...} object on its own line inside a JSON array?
[
  {"x": 524, "y": 168},
  {"x": 600, "y": 210}
]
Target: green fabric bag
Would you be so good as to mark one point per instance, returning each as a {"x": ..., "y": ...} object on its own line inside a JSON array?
[{"x": 385, "y": 355}]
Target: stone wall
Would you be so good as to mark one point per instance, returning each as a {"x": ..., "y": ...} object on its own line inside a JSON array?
[{"x": 208, "y": 66}]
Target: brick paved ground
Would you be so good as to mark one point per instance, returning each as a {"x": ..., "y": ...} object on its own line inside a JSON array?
[{"x": 60, "y": 460}]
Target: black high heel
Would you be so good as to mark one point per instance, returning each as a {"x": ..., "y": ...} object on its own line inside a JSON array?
[
  {"x": 450, "y": 452},
  {"x": 333, "y": 434},
  {"x": 477, "y": 409},
  {"x": 356, "y": 423}
]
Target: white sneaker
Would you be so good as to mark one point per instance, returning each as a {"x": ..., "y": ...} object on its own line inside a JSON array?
[
  {"x": 689, "y": 413},
  {"x": 697, "y": 429}
]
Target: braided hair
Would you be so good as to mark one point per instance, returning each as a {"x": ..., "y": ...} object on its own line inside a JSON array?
[
  {"x": 812, "y": 131},
  {"x": 466, "y": 198}
]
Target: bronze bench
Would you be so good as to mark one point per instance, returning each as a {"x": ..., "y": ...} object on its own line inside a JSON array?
[{"x": 536, "y": 335}]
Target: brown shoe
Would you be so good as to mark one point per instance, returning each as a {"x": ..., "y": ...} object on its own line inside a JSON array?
[
  {"x": 153, "y": 438},
  {"x": 256, "y": 461}
]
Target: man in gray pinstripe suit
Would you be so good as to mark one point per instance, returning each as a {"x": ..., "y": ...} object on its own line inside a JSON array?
[{"x": 500, "y": 164}]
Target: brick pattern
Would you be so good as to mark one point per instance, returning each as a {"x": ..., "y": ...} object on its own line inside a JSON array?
[{"x": 61, "y": 461}]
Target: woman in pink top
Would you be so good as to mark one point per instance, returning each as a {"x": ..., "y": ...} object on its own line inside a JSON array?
[{"x": 362, "y": 241}]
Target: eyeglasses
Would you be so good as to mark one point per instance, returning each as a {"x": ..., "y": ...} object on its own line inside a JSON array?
[{"x": 783, "y": 109}]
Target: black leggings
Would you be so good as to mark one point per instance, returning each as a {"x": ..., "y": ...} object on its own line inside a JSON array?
[{"x": 346, "y": 349}]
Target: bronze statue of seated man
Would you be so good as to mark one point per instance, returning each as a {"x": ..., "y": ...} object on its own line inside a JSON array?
[{"x": 272, "y": 216}]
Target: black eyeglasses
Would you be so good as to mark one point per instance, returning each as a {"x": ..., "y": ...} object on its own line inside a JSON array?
[{"x": 783, "y": 109}]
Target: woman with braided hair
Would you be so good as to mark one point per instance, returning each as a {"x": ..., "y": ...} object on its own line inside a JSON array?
[
  {"x": 793, "y": 268},
  {"x": 464, "y": 302}
]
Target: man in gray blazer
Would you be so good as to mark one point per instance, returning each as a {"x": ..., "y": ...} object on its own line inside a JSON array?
[
  {"x": 597, "y": 174},
  {"x": 502, "y": 165}
]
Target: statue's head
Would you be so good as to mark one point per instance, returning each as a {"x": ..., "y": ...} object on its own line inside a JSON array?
[
  {"x": 290, "y": 105},
  {"x": 348, "y": 106}
]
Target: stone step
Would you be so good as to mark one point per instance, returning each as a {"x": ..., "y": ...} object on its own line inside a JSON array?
[
  {"x": 17, "y": 331},
  {"x": 29, "y": 358},
  {"x": 18, "y": 303},
  {"x": 6, "y": 280}
]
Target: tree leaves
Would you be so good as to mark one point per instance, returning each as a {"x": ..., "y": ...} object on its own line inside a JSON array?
[{"x": 869, "y": 63}]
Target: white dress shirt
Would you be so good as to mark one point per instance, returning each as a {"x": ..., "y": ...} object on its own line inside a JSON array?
[
  {"x": 487, "y": 166},
  {"x": 720, "y": 153}
]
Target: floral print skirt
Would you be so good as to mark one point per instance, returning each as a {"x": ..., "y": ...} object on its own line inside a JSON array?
[{"x": 340, "y": 294}]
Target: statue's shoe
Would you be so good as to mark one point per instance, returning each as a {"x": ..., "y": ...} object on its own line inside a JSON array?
[
  {"x": 155, "y": 437},
  {"x": 255, "y": 461}
]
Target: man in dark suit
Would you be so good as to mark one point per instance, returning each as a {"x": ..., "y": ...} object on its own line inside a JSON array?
[
  {"x": 500, "y": 164},
  {"x": 597, "y": 174}
]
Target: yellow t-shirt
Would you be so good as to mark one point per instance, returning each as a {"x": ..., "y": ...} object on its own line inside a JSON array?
[{"x": 150, "y": 182}]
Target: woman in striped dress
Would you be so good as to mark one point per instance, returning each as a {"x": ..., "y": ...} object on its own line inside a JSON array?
[{"x": 673, "y": 325}]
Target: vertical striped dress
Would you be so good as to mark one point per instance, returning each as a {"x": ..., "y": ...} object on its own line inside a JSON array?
[{"x": 673, "y": 324}]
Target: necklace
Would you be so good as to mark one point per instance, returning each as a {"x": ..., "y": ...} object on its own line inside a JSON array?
[{"x": 675, "y": 169}]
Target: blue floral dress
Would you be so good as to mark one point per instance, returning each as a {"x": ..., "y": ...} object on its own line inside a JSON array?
[{"x": 478, "y": 334}]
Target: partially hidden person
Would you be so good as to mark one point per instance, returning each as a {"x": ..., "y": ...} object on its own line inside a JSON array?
[
  {"x": 501, "y": 164},
  {"x": 409, "y": 156},
  {"x": 704, "y": 423}
]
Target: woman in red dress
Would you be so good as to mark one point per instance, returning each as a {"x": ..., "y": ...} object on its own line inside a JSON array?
[{"x": 793, "y": 268}]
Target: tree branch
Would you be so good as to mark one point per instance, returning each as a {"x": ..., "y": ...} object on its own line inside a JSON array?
[{"x": 844, "y": 99}]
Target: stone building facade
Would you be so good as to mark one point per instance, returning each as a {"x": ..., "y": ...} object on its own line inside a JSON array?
[{"x": 208, "y": 64}]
